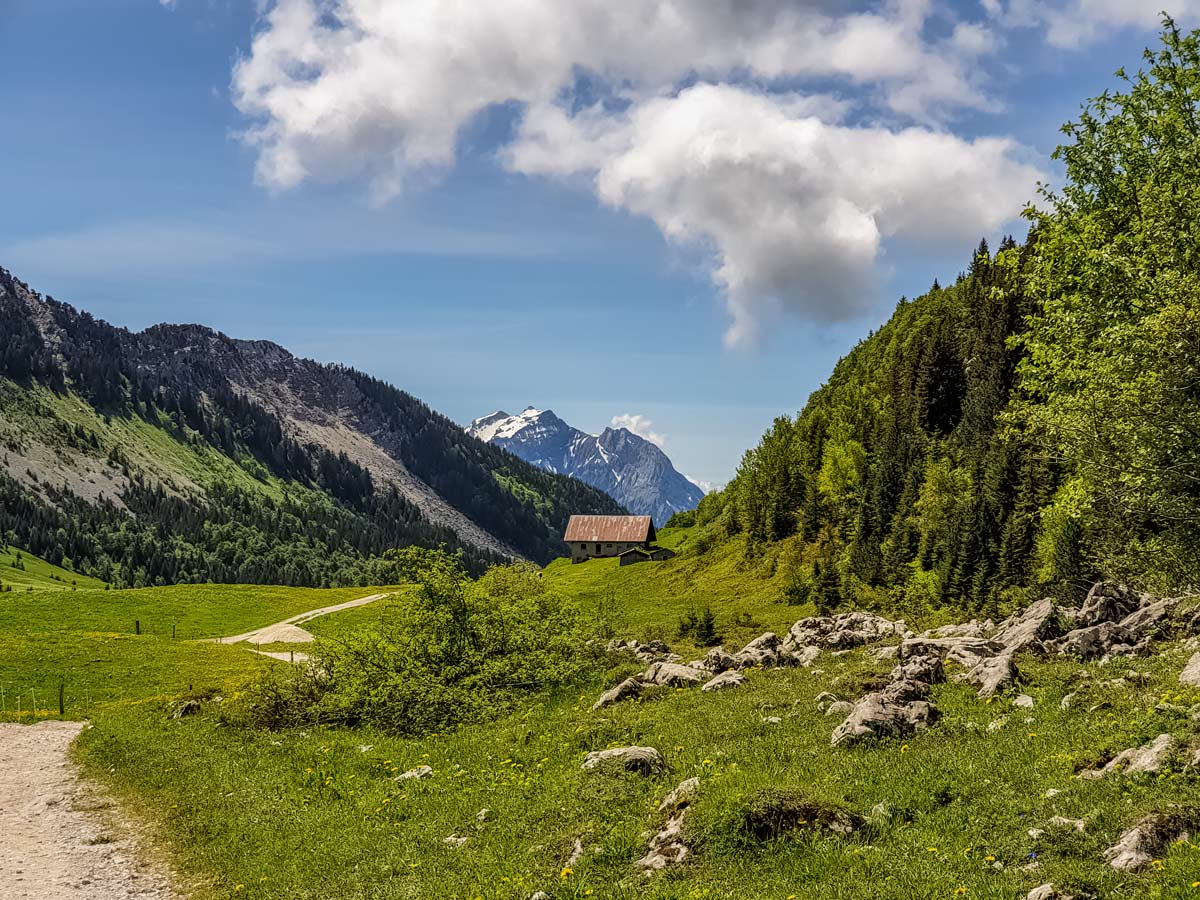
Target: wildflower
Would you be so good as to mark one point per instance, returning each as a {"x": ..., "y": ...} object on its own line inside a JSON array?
[
  {"x": 960, "y": 890},
  {"x": 931, "y": 849},
  {"x": 967, "y": 851},
  {"x": 904, "y": 748},
  {"x": 989, "y": 858},
  {"x": 238, "y": 887},
  {"x": 565, "y": 873}
]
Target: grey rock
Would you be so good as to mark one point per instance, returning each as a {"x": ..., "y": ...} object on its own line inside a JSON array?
[
  {"x": 841, "y": 632},
  {"x": 1027, "y": 630},
  {"x": 725, "y": 681},
  {"x": 418, "y": 772},
  {"x": 1147, "y": 759},
  {"x": 667, "y": 847},
  {"x": 993, "y": 676},
  {"x": 1147, "y": 840},
  {"x": 1095, "y": 641},
  {"x": 1191, "y": 672},
  {"x": 764, "y": 650},
  {"x": 717, "y": 660},
  {"x": 927, "y": 669},
  {"x": 965, "y": 651},
  {"x": 626, "y": 690},
  {"x": 896, "y": 711},
  {"x": 672, "y": 674},
  {"x": 1108, "y": 601},
  {"x": 840, "y": 708},
  {"x": 1023, "y": 700},
  {"x": 642, "y": 760}
]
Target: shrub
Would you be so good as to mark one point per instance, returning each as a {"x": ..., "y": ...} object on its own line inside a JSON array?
[{"x": 457, "y": 651}]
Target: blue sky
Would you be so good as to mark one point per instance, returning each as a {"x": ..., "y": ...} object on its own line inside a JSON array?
[{"x": 484, "y": 236}]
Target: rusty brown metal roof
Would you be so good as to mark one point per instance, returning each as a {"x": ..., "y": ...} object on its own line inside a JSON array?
[{"x": 610, "y": 528}]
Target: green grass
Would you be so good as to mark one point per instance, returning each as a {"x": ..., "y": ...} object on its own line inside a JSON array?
[
  {"x": 194, "y": 611},
  {"x": 959, "y": 793},
  {"x": 21, "y": 571},
  {"x": 316, "y": 812},
  {"x": 647, "y": 600}
]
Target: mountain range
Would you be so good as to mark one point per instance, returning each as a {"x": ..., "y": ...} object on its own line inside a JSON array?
[
  {"x": 631, "y": 469},
  {"x": 180, "y": 454}
]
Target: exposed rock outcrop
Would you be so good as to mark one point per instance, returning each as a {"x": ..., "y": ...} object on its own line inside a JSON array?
[
  {"x": 640, "y": 760},
  {"x": 626, "y": 690},
  {"x": 896, "y": 711},
  {"x": 1147, "y": 759},
  {"x": 1148, "y": 840},
  {"x": 668, "y": 847},
  {"x": 725, "y": 681}
]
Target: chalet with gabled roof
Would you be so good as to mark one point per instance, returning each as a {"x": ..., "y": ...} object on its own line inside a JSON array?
[{"x": 592, "y": 537}]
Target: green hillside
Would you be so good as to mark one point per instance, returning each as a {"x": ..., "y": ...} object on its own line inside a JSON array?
[{"x": 20, "y": 571}]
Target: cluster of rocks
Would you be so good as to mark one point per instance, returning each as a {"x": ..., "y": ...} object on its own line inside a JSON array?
[
  {"x": 667, "y": 847},
  {"x": 720, "y": 669},
  {"x": 900, "y": 708}
]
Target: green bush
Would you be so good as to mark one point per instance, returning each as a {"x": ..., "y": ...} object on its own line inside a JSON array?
[{"x": 457, "y": 651}]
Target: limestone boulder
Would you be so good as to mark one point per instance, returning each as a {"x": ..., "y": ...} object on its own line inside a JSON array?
[
  {"x": 726, "y": 680},
  {"x": 639, "y": 760},
  {"x": 628, "y": 689}
]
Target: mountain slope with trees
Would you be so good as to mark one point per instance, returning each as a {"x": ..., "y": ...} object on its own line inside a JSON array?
[
  {"x": 1034, "y": 425},
  {"x": 179, "y": 454}
]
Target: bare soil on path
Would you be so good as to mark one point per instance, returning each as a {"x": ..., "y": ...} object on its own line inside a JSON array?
[
  {"x": 60, "y": 837},
  {"x": 288, "y": 631}
]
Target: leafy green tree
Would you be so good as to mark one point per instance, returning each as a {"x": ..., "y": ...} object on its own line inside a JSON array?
[{"x": 1111, "y": 367}]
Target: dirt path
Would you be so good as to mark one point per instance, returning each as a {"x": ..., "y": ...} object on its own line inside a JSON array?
[
  {"x": 288, "y": 631},
  {"x": 59, "y": 837}
]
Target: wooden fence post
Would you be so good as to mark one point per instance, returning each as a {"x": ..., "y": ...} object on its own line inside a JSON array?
[{"x": 61, "y": 710}]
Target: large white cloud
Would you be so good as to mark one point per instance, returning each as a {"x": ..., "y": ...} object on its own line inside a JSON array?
[
  {"x": 793, "y": 207},
  {"x": 714, "y": 119}
]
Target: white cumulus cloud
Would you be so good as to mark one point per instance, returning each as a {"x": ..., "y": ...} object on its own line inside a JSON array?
[
  {"x": 639, "y": 425},
  {"x": 794, "y": 209},
  {"x": 726, "y": 122}
]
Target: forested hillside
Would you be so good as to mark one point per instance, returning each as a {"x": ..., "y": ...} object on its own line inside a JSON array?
[
  {"x": 178, "y": 454},
  {"x": 1031, "y": 427}
]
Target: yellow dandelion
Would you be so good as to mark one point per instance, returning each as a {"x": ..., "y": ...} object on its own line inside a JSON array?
[{"x": 565, "y": 873}]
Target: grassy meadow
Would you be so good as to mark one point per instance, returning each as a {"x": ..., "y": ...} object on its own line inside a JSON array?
[
  {"x": 22, "y": 571},
  {"x": 316, "y": 812}
]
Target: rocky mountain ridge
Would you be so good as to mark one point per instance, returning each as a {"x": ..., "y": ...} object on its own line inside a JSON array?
[
  {"x": 628, "y": 467},
  {"x": 375, "y": 450}
]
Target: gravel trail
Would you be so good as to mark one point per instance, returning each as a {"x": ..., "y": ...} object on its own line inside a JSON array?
[{"x": 59, "y": 836}]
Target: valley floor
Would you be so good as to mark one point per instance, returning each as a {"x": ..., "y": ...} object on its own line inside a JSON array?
[{"x": 961, "y": 809}]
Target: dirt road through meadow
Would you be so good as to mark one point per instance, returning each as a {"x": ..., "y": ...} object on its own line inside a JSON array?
[{"x": 59, "y": 836}]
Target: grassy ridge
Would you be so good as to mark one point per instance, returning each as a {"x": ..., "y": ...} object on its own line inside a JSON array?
[{"x": 21, "y": 571}]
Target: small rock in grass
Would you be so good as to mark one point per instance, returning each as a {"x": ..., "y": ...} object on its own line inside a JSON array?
[
  {"x": 1024, "y": 701},
  {"x": 626, "y": 690},
  {"x": 1147, "y": 840},
  {"x": 667, "y": 847},
  {"x": 1051, "y": 793},
  {"x": 454, "y": 840},
  {"x": 1067, "y": 824},
  {"x": 1147, "y": 759},
  {"x": 642, "y": 760},
  {"x": 540, "y": 895},
  {"x": 484, "y": 814},
  {"x": 772, "y": 720},
  {"x": 418, "y": 772},
  {"x": 1191, "y": 672},
  {"x": 840, "y": 708},
  {"x": 1065, "y": 703},
  {"x": 1045, "y": 892},
  {"x": 824, "y": 699},
  {"x": 673, "y": 675},
  {"x": 730, "y": 678}
]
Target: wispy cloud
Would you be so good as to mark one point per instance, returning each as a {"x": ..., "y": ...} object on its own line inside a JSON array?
[{"x": 166, "y": 246}]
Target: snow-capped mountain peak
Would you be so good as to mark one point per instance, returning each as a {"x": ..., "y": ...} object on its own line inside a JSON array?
[{"x": 625, "y": 465}]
